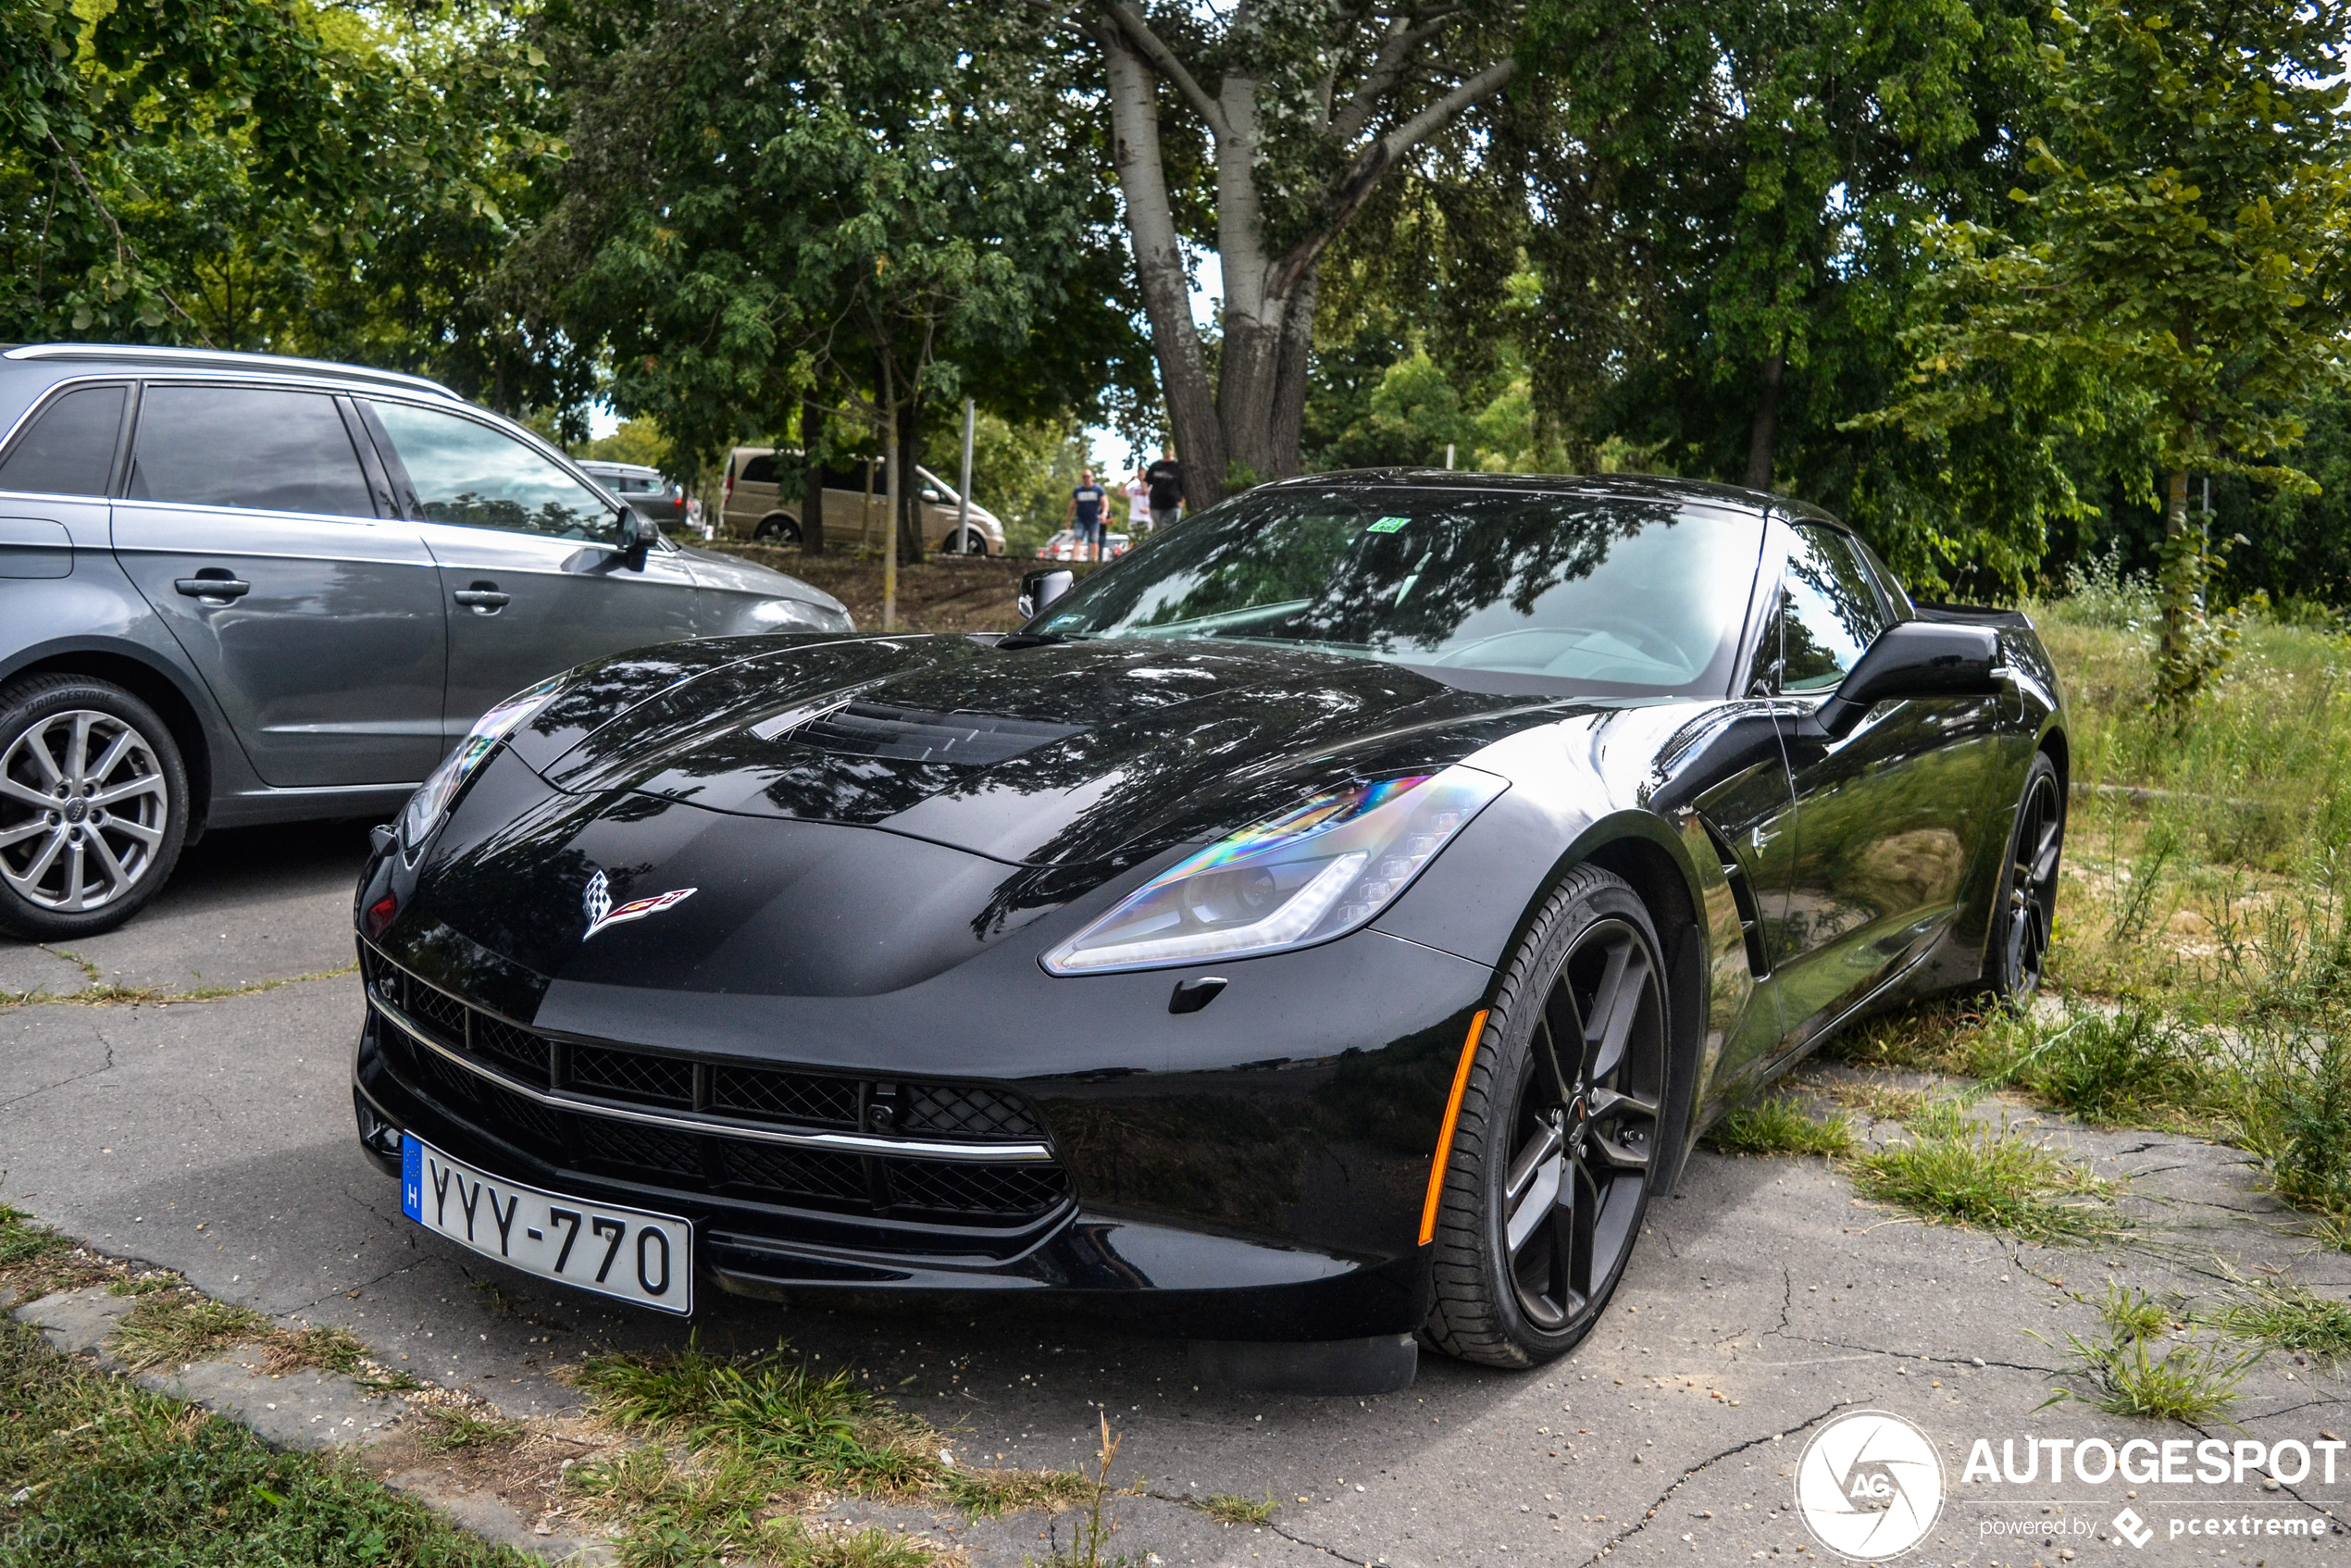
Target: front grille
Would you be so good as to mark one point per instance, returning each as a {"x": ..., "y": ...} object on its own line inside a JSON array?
[
  {"x": 950, "y": 1192},
  {"x": 630, "y": 1075},
  {"x": 957, "y": 1112},
  {"x": 786, "y": 1097}
]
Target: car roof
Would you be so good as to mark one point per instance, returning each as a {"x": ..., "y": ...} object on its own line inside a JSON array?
[
  {"x": 607, "y": 466},
  {"x": 1645, "y": 487},
  {"x": 133, "y": 358}
]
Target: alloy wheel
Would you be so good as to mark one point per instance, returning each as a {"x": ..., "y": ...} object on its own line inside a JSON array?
[
  {"x": 1584, "y": 1132},
  {"x": 83, "y": 811},
  {"x": 2031, "y": 880}
]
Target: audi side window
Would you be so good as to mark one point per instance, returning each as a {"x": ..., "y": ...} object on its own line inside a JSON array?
[
  {"x": 467, "y": 473},
  {"x": 1829, "y": 611},
  {"x": 251, "y": 447},
  {"x": 69, "y": 448}
]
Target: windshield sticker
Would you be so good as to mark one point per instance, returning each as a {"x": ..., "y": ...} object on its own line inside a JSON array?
[{"x": 1387, "y": 525}]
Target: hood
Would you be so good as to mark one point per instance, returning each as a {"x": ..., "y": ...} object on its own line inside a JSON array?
[
  {"x": 713, "y": 569},
  {"x": 1095, "y": 753}
]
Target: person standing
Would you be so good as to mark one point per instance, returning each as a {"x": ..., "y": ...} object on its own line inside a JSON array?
[
  {"x": 1164, "y": 482},
  {"x": 1086, "y": 504},
  {"x": 1138, "y": 505}
]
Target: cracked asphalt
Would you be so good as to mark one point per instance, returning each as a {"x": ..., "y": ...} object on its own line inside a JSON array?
[{"x": 214, "y": 1137}]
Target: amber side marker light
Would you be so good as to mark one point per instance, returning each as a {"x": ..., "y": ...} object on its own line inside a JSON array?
[{"x": 1445, "y": 1132}]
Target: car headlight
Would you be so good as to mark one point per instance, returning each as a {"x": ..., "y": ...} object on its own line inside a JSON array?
[
  {"x": 431, "y": 803},
  {"x": 1316, "y": 872},
  {"x": 797, "y": 614}
]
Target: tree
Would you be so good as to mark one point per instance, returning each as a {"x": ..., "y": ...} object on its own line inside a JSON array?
[
  {"x": 2183, "y": 265},
  {"x": 1304, "y": 109},
  {"x": 266, "y": 174},
  {"x": 832, "y": 203}
]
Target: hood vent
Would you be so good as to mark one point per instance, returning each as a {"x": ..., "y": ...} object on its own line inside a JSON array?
[{"x": 876, "y": 729}]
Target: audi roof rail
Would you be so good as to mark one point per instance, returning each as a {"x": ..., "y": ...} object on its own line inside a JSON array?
[{"x": 215, "y": 359}]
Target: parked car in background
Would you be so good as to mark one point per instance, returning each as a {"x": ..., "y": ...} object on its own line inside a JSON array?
[
  {"x": 1063, "y": 546},
  {"x": 648, "y": 492},
  {"x": 756, "y": 506},
  {"x": 237, "y": 589}
]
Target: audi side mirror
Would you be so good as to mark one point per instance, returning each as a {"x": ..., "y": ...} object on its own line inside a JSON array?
[
  {"x": 635, "y": 536},
  {"x": 1038, "y": 590},
  {"x": 1915, "y": 659}
]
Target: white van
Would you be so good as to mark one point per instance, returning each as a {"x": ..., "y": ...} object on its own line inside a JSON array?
[{"x": 754, "y": 508}]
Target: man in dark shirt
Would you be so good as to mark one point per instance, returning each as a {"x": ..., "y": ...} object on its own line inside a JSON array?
[
  {"x": 1165, "y": 478},
  {"x": 1085, "y": 504}
]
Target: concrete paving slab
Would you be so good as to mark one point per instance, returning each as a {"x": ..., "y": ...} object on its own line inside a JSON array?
[{"x": 27, "y": 970}]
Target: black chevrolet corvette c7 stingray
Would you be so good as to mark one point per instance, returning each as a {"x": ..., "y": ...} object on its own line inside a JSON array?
[{"x": 1327, "y": 927}]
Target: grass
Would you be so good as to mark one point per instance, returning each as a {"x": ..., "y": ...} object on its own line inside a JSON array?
[
  {"x": 445, "y": 1430},
  {"x": 1779, "y": 1125},
  {"x": 109, "y": 1474},
  {"x": 97, "y": 995},
  {"x": 1239, "y": 1510},
  {"x": 2134, "y": 1314},
  {"x": 179, "y": 1327},
  {"x": 732, "y": 1442},
  {"x": 2190, "y": 1382},
  {"x": 2289, "y": 1318},
  {"x": 1959, "y": 1171}
]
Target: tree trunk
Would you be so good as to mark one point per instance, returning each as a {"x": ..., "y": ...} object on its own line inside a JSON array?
[
  {"x": 812, "y": 477},
  {"x": 894, "y": 485},
  {"x": 1159, "y": 264},
  {"x": 1764, "y": 434},
  {"x": 2177, "y": 603},
  {"x": 906, "y": 491}
]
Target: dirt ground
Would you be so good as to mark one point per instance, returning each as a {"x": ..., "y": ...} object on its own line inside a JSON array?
[{"x": 945, "y": 593}]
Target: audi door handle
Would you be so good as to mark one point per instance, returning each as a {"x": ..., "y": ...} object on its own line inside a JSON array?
[
  {"x": 221, "y": 588},
  {"x": 482, "y": 601}
]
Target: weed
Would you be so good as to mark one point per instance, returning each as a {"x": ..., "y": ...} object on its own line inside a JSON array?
[
  {"x": 1239, "y": 1510},
  {"x": 2133, "y": 1315},
  {"x": 330, "y": 1350},
  {"x": 100, "y": 1470},
  {"x": 1880, "y": 1101},
  {"x": 180, "y": 1325},
  {"x": 2294, "y": 1111},
  {"x": 1779, "y": 1127},
  {"x": 2188, "y": 1383},
  {"x": 2133, "y": 1067},
  {"x": 987, "y": 1494},
  {"x": 2289, "y": 1318},
  {"x": 1957, "y": 1170},
  {"x": 445, "y": 1430},
  {"x": 1097, "y": 1527},
  {"x": 500, "y": 1302},
  {"x": 22, "y": 1241},
  {"x": 145, "y": 1283}
]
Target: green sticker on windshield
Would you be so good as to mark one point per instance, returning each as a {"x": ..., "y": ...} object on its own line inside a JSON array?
[{"x": 1387, "y": 525}]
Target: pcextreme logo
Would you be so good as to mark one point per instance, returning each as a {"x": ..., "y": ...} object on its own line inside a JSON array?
[{"x": 1869, "y": 1486}]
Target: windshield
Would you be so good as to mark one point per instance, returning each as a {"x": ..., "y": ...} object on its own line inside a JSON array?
[{"x": 1621, "y": 594}]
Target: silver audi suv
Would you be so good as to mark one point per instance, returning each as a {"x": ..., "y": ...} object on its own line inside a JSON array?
[{"x": 239, "y": 590}]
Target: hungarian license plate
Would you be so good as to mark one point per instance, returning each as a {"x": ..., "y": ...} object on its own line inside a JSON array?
[{"x": 629, "y": 1253}]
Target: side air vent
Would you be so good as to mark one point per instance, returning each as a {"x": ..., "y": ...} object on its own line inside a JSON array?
[
  {"x": 1742, "y": 900},
  {"x": 874, "y": 730}
]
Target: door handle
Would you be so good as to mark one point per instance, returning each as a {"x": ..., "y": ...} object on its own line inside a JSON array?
[
  {"x": 222, "y": 587},
  {"x": 482, "y": 599}
]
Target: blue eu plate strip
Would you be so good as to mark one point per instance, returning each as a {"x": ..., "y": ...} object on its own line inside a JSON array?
[{"x": 411, "y": 1177}]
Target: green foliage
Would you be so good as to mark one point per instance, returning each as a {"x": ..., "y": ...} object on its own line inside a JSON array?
[
  {"x": 1960, "y": 1171},
  {"x": 2133, "y": 1315},
  {"x": 94, "y": 1470},
  {"x": 2188, "y": 1383},
  {"x": 1232, "y": 1510},
  {"x": 1779, "y": 1127},
  {"x": 2132, "y": 1067},
  {"x": 269, "y": 174},
  {"x": 2293, "y": 1318},
  {"x": 636, "y": 441},
  {"x": 180, "y": 1326}
]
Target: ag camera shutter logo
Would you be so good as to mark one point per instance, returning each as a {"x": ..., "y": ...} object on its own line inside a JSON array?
[{"x": 1869, "y": 1486}]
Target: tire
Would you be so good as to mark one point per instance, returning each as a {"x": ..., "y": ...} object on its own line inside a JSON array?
[
  {"x": 2024, "y": 911},
  {"x": 777, "y": 527},
  {"x": 1582, "y": 1128},
  {"x": 94, "y": 807},
  {"x": 973, "y": 542}
]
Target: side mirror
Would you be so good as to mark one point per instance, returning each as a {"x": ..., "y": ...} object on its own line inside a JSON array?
[
  {"x": 635, "y": 538},
  {"x": 1038, "y": 590},
  {"x": 1915, "y": 659}
]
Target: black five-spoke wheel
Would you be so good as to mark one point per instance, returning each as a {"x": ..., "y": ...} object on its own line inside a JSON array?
[
  {"x": 1560, "y": 1133},
  {"x": 2027, "y": 909}
]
